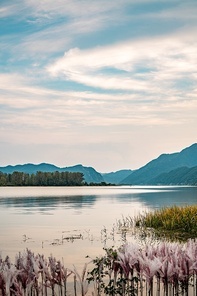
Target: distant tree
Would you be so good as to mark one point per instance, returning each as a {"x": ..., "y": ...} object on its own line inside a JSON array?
[
  {"x": 42, "y": 179},
  {"x": 3, "y": 179},
  {"x": 17, "y": 179}
]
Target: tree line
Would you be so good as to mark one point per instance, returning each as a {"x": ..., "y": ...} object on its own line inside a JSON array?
[{"x": 42, "y": 179}]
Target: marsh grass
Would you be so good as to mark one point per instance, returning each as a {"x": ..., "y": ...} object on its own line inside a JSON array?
[{"x": 174, "y": 222}]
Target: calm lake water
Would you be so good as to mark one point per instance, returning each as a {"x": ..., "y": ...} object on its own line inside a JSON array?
[{"x": 72, "y": 222}]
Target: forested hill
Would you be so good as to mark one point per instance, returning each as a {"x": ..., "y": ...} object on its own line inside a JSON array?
[
  {"x": 180, "y": 176},
  {"x": 89, "y": 173},
  {"x": 163, "y": 164}
]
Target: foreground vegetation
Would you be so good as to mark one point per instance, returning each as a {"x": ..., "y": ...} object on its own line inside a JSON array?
[
  {"x": 159, "y": 269},
  {"x": 168, "y": 269},
  {"x": 154, "y": 268},
  {"x": 180, "y": 222}
]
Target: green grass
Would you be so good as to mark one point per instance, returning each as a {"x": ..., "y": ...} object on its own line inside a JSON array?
[{"x": 174, "y": 221}]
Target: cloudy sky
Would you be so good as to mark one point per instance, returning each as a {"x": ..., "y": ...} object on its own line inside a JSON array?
[{"x": 108, "y": 84}]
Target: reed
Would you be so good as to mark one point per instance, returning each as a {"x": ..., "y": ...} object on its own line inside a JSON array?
[
  {"x": 32, "y": 275},
  {"x": 175, "y": 221},
  {"x": 162, "y": 269},
  {"x": 167, "y": 269}
]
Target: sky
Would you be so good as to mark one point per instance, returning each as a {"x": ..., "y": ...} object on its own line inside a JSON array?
[{"x": 107, "y": 84}]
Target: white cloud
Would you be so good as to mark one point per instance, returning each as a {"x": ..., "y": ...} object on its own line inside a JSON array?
[
  {"x": 42, "y": 42},
  {"x": 182, "y": 11},
  {"x": 26, "y": 107},
  {"x": 8, "y": 10},
  {"x": 141, "y": 65},
  {"x": 65, "y": 22},
  {"x": 74, "y": 8}
]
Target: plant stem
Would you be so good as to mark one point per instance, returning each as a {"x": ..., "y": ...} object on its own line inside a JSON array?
[{"x": 75, "y": 286}]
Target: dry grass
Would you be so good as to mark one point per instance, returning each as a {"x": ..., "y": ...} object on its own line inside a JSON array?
[{"x": 176, "y": 220}]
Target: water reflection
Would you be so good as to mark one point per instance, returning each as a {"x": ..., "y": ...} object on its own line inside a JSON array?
[
  {"x": 179, "y": 196},
  {"x": 48, "y": 203},
  {"x": 151, "y": 197}
]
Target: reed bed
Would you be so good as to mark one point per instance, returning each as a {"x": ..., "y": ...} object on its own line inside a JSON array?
[
  {"x": 168, "y": 269},
  {"x": 178, "y": 221},
  {"x": 164, "y": 269},
  {"x": 33, "y": 275}
]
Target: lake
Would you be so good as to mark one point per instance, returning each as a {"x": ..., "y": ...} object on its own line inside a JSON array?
[{"x": 72, "y": 222}]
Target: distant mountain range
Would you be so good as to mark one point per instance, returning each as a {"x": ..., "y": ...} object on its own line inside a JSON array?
[
  {"x": 165, "y": 163},
  {"x": 178, "y": 168},
  {"x": 116, "y": 177}
]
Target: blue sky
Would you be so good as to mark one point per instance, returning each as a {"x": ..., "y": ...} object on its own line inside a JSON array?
[{"x": 108, "y": 84}]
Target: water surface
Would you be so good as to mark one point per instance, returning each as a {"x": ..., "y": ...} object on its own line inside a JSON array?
[{"x": 45, "y": 219}]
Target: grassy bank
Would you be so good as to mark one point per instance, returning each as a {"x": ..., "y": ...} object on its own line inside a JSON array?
[{"x": 174, "y": 221}]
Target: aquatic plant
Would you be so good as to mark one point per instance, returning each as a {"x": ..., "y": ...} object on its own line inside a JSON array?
[
  {"x": 32, "y": 275},
  {"x": 161, "y": 269},
  {"x": 169, "y": 269},
  {"x": 180, "y": 222},
  {"x": 109, "y": 277}
]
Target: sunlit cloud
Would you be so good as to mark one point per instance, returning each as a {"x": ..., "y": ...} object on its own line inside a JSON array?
[
  {"x": 36, "y": 108},
  {"x": 143, "y": 65}
]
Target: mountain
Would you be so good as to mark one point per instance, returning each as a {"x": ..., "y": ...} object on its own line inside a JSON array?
[
  {"x": 29, "y": 168},
  {"x": 90, "y": 174},
  {"x": 180, "y": 176},
  {"x": 163, "y": 164},
  {"x": 116, "y": 177},
  {"x": 167, "y": 169}
]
